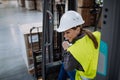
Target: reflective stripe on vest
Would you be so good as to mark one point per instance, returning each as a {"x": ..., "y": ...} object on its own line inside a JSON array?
[{"x": 85, "y": 53}]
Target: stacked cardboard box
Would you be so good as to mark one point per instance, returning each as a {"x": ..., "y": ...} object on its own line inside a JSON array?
[
  {"x": 85, "y": 3},
  {"x": 39, "y": 4},
  {"x": 32, "y": 46},
  {"x": 35, "y": 43},
  {"x": 21, "y": 3},
  {"x": 87, "y": 16},
  {"x": 84, "y": 8},
  {"x": 33, "y": 5},
  {"x": 30, "y": 4},
  {"x": 25, "y": 29}
]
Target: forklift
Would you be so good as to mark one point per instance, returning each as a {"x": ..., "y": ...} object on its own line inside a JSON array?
[
  {"x": 50, "y": 48},
  {"x": 51, "y": 40},
  {"x": 51, "y": 45}
]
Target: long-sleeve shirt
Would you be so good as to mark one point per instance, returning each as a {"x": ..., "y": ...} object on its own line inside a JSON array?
[{"x": 70, "y": 63}]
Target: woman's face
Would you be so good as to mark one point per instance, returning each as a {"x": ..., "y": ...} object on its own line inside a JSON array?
[{"x": 71, "y": 34}]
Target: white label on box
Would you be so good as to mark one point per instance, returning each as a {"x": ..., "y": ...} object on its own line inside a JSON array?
[{"x": 34, "y": 38}]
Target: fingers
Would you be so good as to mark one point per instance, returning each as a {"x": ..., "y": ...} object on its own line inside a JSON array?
[{"x": 65, "y": 45}]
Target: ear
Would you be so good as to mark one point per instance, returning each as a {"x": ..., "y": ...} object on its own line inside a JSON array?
[{"x": 78, "y": 29}]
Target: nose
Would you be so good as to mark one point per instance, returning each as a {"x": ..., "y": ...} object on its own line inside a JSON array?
[{"x": 65, "y": 36}]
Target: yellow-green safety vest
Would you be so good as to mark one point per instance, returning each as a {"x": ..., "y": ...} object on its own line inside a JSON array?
[{"x": 85, "y": 53}]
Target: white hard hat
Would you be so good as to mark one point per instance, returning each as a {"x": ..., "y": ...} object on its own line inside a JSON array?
[{"x": 69, "y": 20}]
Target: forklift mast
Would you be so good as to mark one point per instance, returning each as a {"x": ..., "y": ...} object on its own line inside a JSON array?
[
  {"x": 47, "y": 44},
  {"x": 48, "y": 34}
]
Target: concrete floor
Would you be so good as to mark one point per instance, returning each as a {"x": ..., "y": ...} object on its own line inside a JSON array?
[{"x": 12, "y": 47}]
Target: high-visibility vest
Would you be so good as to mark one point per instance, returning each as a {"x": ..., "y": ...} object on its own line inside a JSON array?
[{"x": 84, "y": 52}]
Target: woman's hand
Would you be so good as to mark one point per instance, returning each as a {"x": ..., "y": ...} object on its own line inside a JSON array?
[{"x": 65, "y": 45}]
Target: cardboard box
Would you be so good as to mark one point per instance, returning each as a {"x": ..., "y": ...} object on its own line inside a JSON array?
[
  {"x": 87, "y": 16},
  {"x": 30, "y": 4},
  {"x": 35, "y": 41},
  {"x": 21, "y": 3},
  {"x": 39, "y": 6},
  {"x": 85, "y": 3}
]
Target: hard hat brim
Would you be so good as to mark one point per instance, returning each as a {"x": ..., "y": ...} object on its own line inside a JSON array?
[{"x": 63, "y": 28}]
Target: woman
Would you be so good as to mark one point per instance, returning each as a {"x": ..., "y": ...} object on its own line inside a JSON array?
[{"x": 81, "y": 46}]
